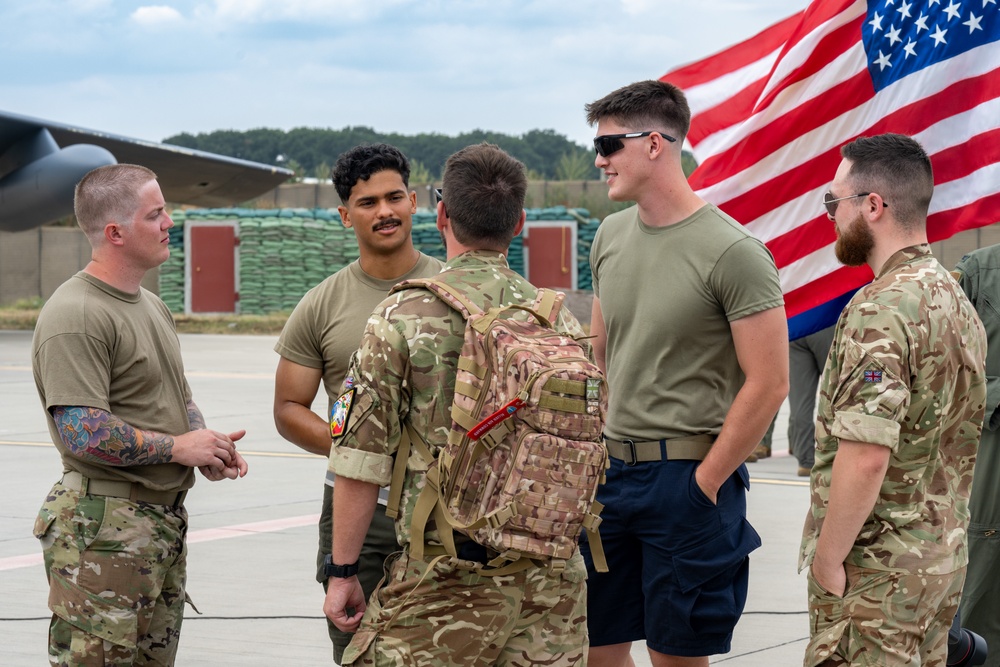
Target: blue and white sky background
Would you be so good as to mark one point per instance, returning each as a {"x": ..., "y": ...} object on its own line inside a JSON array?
[{"x": 409, "y": 66}]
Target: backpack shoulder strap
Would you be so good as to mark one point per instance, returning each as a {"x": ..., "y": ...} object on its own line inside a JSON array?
[
  {"x": 548, "y": 303},
  {"x": 452, "y": 296}
]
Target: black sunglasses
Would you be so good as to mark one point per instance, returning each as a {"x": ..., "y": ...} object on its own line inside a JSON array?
[
  {"x": 438, "y": 195},
  {"x": 831, "y": 202},
  {"x": 607, "y": 144}
]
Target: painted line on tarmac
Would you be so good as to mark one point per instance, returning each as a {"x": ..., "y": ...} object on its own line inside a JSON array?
[
  {"x": 779, "y": 482},
  {"x": 194, "y": 537},
  {"x": 255, "y": 528}
]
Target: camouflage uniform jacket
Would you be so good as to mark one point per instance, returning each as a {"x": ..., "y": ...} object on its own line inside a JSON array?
[
  {"x": 905, "y": 372},
  {"x": 404, "y": 373},
  {"x": 979, "y": 275}
]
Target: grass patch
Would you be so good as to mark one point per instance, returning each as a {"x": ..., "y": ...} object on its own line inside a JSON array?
[
  {"x": 231, "y": 324},
  {"x": 22, "y": 316}
]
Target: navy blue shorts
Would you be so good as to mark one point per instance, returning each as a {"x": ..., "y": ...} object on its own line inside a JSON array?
[{"x": 678, "y": 564}]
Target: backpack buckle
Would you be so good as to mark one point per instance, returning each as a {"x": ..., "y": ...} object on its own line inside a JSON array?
[{"x": 630, "y": 458}]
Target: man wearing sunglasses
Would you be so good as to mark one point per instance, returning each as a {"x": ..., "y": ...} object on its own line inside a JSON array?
[
  {"x": 691, "y": 332},
  {"x": 900, "y": 413}
]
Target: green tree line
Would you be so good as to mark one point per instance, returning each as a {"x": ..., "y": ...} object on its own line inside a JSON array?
[{"x": 310, "y": 152}]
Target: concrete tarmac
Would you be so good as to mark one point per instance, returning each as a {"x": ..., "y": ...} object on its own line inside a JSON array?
[{"x": 252, "y": 542}]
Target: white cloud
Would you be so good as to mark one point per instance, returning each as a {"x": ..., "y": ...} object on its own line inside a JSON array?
[
  {"x": 262, "y": 11},
  {"x": 156, "y": 15}
]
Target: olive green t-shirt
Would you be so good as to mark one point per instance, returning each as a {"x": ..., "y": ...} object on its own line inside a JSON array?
[
  {"x": 667, "y": 297},
  {"x": 99, "y": 347},
  {"x": 326, "y": 326}
]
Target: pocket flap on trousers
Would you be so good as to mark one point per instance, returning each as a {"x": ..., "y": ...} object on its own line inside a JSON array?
[{"x": 720, "y": 555}]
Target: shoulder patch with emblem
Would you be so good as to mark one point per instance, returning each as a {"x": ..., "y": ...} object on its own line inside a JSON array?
[
  {"x": 341, "y": 412},
  {"x": 873, "y": 376}
]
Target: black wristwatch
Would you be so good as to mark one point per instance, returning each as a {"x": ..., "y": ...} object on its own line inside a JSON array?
[{"x": 339, "y": 571}]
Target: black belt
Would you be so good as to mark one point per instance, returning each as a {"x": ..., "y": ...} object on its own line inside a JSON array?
[
  {"x": 692, "y": 448},
  {"x": 133, "y": 491}
]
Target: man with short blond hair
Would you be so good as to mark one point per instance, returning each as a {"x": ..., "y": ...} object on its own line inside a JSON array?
[{"x": 108, "y": 369}]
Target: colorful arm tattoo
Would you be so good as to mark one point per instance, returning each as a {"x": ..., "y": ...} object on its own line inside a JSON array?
[
  {"x": 195, "y": 418},
  {"x": 100, "y": 437}
]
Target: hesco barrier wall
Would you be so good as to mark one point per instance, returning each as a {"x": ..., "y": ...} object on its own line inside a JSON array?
[{"x": 285, "y": 252}]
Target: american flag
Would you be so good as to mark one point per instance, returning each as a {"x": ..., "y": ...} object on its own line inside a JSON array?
[{"x": 769, "y": 116}]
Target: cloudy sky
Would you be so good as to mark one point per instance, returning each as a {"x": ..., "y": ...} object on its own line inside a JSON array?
[{"x": 408, "y": 66}]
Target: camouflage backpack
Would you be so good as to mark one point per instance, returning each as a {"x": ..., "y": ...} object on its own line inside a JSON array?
[{"x": 525, "y": 453}]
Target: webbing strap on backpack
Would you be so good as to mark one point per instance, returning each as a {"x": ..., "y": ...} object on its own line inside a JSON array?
[
  {"x": 428, "y": 505},
  {"x": 427, "y": 500}
]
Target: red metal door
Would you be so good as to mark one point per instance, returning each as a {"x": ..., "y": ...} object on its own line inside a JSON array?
[
  {"x": 550, "y": 257},
  {"x": 212, "y": 262}
]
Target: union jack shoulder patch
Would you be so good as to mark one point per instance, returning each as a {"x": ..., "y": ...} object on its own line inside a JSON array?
[{"x": 873, "y": 376}]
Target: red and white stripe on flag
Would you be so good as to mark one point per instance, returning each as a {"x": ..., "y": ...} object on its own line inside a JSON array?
[{"x": 769, "y": 116}]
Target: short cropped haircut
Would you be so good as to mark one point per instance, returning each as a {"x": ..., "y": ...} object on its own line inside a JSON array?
[
  {"x": 484, "y": 190},
  {"x": 109, "y": 194},
  {"x": 360, "y": 162},
  {"x": 895, "y": 167},
  {"x": 644, "y": 106}
]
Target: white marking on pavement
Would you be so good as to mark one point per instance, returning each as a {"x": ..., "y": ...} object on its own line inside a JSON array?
[{"x": 195, "y": 536}]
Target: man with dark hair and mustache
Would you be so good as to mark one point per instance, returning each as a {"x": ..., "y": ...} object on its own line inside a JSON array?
[
  {"x": 326, "y": 326},
  {"x": 900, "y": 412}
]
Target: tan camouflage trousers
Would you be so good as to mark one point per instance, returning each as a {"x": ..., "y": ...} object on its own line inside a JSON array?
[
  {"x": 886, "y": 619},
  {"x": 449, "y": 616},
  {"x": 116, "y": 572}
]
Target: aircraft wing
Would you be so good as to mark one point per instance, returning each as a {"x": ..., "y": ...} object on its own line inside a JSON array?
[{"x": 41, "y": 162}]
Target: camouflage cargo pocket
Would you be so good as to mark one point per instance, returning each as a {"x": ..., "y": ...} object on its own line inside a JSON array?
[
  {"x": 93, "y": 577},
  {"x": 371, "y": 624},
  {"x": 43, "y": 527},
  {"x": 827, "y": 622}
]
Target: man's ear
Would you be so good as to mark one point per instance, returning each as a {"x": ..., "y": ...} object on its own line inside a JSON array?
[
  {"x": 520, "y": 223},
  {"x": 413, "y": 202},
  {"x": 657, "y": 145},
  {"x": 874, "y": 207},
  {"x": 113, "y": 234},
  {"x": 442, "y": 217},
  {"x": 345, "y": 217}
]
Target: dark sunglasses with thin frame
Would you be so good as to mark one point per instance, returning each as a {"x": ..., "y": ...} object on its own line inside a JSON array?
[
  {"x": 831, "y": 202},
  {"x": 607, "y": 144}
]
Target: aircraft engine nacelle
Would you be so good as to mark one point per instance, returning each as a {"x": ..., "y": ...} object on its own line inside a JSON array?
[{"x": 41, "y": 191}]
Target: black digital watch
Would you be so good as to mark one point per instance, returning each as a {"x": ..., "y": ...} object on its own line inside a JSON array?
[{"x": 338, "y": 571}]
